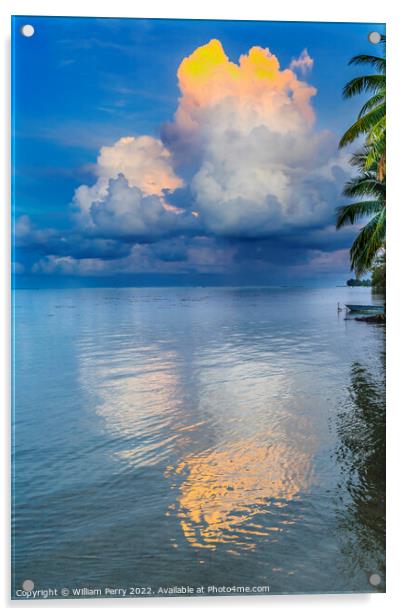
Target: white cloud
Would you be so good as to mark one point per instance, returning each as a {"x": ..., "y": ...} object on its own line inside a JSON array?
[
  {"x": 124, "y": 210},
  {"x": 258, "y": 166},
  {"x": 261, "y": 167},
  {"x": 144, "y": 161},
  {"x": 128, "y": 197},
  {"x": 304, "y": 63}
]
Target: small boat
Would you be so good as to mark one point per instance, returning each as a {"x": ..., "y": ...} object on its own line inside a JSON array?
[{"x": 364, "y": 308}]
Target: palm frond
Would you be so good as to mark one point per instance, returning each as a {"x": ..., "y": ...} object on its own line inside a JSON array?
[
  {"x": 377, "y": 131},
  {"x": 367, "y": 244},
  {"x": 375, "y": 156},
  {"x": 365, "y": 83},
  {"x": 365, "y": 185},
  {"x": 363, "y": 125},
  {"x": 358, "y": 159},
  {"x": 374, "y": 61},
  {"x": 372, "y": 103},
  {"x": 349, "y": 214}
]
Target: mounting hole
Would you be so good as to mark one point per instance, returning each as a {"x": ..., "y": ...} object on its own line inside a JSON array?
[
  {"x": 374, "y": 37},
  {"x": 375, "y": 579},
  {"x": 27, "y": 30},
  {"x": 28, "y": 585}
]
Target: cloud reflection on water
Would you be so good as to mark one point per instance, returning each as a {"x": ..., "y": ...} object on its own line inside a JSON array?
[{"x": 233, "y": 465}]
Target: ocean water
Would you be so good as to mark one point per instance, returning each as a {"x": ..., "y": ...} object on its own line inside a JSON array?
[{"x": 197, "y": 437}]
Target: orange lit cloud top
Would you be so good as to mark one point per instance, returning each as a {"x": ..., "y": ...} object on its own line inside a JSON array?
[{"x": 277, "y": 97}]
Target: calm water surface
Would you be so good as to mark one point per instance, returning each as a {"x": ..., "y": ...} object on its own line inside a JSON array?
[{"x": 198, "y": 436}]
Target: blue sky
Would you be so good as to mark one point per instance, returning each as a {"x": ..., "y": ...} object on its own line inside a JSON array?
[{"x": 80, "y": 85}]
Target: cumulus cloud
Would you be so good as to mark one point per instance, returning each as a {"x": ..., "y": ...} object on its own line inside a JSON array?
[
  {"x": 133, "y": 177},
  {"x": 260, "y": 166},
  {"x": 254, "y": 163},
  {"x": 126, "y": 211},
  {"x": 241, "y": 160},
  {"x": 217, "y": 94}
]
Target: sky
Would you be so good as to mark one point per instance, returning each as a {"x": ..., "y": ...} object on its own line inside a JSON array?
[{"x": 181, "y": 152}]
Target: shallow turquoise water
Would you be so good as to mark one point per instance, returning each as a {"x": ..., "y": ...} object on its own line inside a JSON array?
[{"x": 198, "y": 436}]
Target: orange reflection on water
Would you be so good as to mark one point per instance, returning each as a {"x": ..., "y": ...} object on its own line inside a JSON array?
[{"x": 222, "y": 492}]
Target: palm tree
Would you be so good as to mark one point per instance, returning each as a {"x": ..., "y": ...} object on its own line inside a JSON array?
[
  {"x": 368, "y": 187},
  {"x": 371, "y": 120}
]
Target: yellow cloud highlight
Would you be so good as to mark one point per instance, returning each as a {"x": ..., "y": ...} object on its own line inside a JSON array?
[{"x": 204, "y": 60}]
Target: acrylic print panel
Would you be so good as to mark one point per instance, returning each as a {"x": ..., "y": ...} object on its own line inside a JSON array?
[{"x": 199, "y": 403}]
